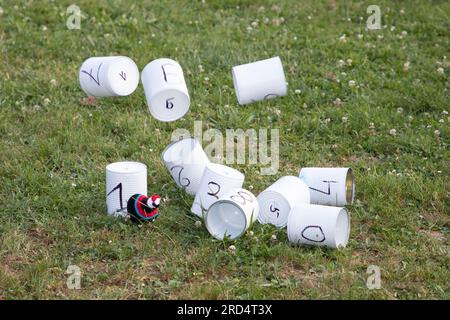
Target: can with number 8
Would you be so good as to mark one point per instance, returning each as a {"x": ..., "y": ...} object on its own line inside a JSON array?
[{"x": 232, "y": 214}]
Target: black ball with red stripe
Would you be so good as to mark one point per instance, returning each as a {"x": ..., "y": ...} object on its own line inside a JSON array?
[{"x": 143, "y": 208}]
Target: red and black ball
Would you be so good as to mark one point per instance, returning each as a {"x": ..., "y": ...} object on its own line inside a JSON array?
[{"x": 143, "y": 208}]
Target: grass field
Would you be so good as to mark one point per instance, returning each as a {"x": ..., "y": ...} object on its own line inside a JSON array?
[{"x": 374, "y": 100}]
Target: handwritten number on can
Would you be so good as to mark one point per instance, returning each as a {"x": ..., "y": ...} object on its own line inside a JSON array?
[
  {"x": 272, "y": 209},
  {"x": 328, "y": 192},
  {"x": 214, "y": 189},
  {"x": 169, "y": 104},
  {"x": 183, "y": 182},
  {"x": 242, "y": 197},
  {"x": 97, "y": 77},
  {"x": 118, "y": 187}
]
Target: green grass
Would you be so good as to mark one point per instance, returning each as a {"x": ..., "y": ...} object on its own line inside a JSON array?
[{"x": 54, "y": 148}]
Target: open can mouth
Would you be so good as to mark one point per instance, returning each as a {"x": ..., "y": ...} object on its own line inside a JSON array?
[
  {"x": 349, "y": 186},
  {"x": 219, "y": 228}
]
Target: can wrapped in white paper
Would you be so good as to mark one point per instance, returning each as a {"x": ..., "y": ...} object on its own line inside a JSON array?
[
  {"x": 259, "y": 80},
  {"x": 186, "y": 162},
  {"x": 217, "y": 179},
  {"x": 310, "y": 224},
  {"x": 277, "y": 200},
  {"x": 232, "y": 214},
  {"x": 109, "y": 76},
  {"x": 165, "y": 89},
  {"x": 329, "y": 186},
  {"x": 124, "y": 179}
]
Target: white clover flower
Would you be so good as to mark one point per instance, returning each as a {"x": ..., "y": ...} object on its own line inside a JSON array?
[
  {"x": 399, "y": 110},
  {"x": 297, "y": 91},
  {"x": 344, "y": 119},
  {"x": 393, "y": 132},
  {"x": 254, "y": 24},
  {"x": 392, "y": 28},
  {"x": 198, "y": 224},
  {"x": 337, "y": 102},
  {"x": 349, "y": 62},
  {"x": 341, "y": 63},
  {"x": 276, "y": 21},
  {"x": 402, "y": 11},
  {"x": 343, "y": 38},
  {"x": 380, "y": 36},
  {"x": 44, "y": 28},
  {"x": 1, "y": 11},
  {"x": 445, "y": 112},
  {"x": 276, "y": 8},
  {"x": 53, "y": 82},
  {"x": 352, "y": 83},
  {"x": 437, "y": 133},
  {"x": 404, "y": 33},
  {"x": 266, "y": 20},
  {"x": 440, "y": 70},
  {"x": 251, "y": 233},
  {"x": 360, "y": 36},
  {"x": 406, "y": 66},
  {"x": 371, "y": 126},
  {"x": 273, "y": 237},
  {"x": 232, "y": 248},
  {"x": 441, "y": 120}
]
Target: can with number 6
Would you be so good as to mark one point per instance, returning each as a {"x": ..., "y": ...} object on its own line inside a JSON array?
[
  {"x": 232, "y": 214},
  {"x": 165, "y": 89}
]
